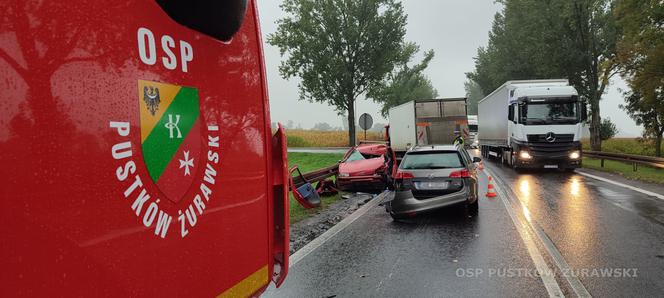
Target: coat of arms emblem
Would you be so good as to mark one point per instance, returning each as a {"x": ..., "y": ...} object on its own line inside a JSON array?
[{"x": 170, "y": 135}]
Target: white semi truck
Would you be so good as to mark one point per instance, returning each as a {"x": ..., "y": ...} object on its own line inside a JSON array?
[
  {"x": 427, "y": 122},
  {"x": 532, "y": 124}
]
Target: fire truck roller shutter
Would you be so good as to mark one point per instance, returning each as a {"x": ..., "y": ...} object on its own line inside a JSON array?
[{"x": 219, "y": 19}]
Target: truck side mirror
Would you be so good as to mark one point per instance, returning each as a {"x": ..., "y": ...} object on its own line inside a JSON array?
[{"x": 219, "y": 19}]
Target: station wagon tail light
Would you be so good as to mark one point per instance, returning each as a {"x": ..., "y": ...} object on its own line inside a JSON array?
[
  {"x": 404, "y": 175},
  {"x": 460, "y": 174}
]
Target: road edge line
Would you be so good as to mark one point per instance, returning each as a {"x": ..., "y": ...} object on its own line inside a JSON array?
[
  {"x": 634, "y": 188},
  {"x": 574, "y": 282},
  {"x": 545, "y": 273},
  {"x": 320, "y": 240},
  {"x": 555, "y": 254}
]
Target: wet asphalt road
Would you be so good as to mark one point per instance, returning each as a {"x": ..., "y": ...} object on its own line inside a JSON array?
[{"x": 591, "y": 227}]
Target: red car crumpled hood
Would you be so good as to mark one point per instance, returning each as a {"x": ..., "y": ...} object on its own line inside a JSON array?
[{"x": 362, "y": 167}]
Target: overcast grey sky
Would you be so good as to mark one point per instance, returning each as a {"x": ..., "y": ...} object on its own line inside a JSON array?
[{"x": 454, "y": 29}]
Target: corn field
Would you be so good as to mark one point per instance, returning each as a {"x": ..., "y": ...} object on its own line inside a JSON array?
[{"x": 314, "y": 138}]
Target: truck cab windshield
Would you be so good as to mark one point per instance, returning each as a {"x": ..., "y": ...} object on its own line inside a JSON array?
[{"x": 534, "y": 113}]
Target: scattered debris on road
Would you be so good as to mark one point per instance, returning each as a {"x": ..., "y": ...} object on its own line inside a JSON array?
[{"x": 304, "y": 231}]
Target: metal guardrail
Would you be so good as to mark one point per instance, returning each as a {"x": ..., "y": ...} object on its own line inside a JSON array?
[
  {"x": 317, "y": 175},
  {"x": 635, "y": 160}
]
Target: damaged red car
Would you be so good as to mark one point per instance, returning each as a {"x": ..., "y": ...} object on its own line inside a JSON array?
[{"x": 366, "y": 167}]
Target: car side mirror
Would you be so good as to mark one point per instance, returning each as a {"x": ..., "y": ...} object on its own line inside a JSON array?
[{"x": 476, "y": 159}]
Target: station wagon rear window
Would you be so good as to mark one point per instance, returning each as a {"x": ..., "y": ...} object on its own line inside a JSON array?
[{"x": 431, "y": 160}]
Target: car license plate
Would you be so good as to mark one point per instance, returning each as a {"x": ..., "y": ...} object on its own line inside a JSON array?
[
  {"x": 431, "y": 185},
  {"x": 550, "y": 166}
]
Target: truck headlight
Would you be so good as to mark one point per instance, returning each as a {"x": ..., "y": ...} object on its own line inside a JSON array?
[
  {"x": 344, "y": 175},
  {"x": 525, "y": 155},
  {"x": 575, "y": 155}
]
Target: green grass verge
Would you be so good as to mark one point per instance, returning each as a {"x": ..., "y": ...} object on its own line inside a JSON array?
[
  {"x": 643, "y": 173},
  {"x": 308, "y": 162},
  {"x": 626, "y": 146}
]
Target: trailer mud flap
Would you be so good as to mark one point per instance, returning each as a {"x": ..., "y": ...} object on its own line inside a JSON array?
[{"x": 280, "y": 206}]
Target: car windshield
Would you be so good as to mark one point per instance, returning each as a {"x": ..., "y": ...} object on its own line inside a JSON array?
[
  {"x": 549, "y": 113},
  {"x": 431, "y": 160},
  {"x": 357, "y": 155}
]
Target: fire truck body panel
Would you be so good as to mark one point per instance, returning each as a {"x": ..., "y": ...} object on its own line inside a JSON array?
[{"x": 114, "y": 188}]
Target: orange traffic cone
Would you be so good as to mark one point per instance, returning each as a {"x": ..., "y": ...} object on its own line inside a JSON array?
[{"x": 490, "y": 192}]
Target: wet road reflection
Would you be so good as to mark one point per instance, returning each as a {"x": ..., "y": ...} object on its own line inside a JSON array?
[
  {"x": 594, "y": 225},
  {"x": 590, "y": 224},
  {"x": 421, "y": 257}
]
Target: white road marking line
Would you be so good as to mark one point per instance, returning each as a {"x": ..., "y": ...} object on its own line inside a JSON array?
[
  {"x": 574, "y": 282},
  {"x": 643, "y": 191},
  {"x": 320, "y": 240},
  {"x": 578, "y": 287},
  {"x": 546, "y": 274}
]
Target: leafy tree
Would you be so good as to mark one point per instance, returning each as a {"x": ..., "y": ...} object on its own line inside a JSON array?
[
  {"x": 641, "y": 61},
  {"x": 573, "y": 39},
  {"x": 648, "y": 113},
  {"x": 340, "y": 49},
  {"x": 519, "y": 46},
  {"x": 474, "y": 94},
  {"x": 406, "y": 83},
  {"x": 589, "y": 45},
  {"x": 607, "y": 129}
]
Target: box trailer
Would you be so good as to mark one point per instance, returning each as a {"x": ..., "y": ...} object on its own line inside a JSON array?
[
  {"x": 532, "y": 123},
  {"x": 427, "y": 122}
]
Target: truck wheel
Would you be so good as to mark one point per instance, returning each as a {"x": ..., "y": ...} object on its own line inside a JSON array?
[
  {"x": 504, "y": 157},
  {"x": 514, "y": 164}
]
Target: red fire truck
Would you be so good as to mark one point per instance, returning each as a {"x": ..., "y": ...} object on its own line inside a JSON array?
[{"x": 136, "y": 153}]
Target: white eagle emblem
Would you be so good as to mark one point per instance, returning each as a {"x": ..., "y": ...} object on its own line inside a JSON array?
[{"x": 151, "y": 98}]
